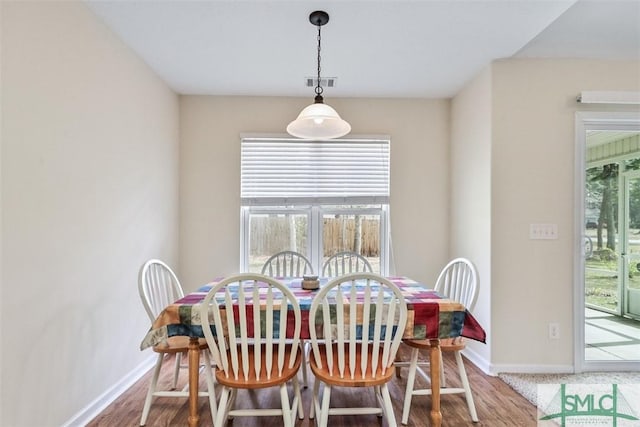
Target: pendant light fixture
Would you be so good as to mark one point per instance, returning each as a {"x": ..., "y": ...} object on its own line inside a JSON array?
[{"x": 318, "y": 120}]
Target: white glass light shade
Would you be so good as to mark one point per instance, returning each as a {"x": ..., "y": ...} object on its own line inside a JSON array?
[{"x": 318, "y": 121}]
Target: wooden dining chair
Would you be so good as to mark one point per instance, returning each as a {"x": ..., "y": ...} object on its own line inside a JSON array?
[
  {"x": 458, "y": 281},
  {"x": 345, "y": 262},
  {"x": 287, "y": 264},
  {"x": 252, "y": 325},
  {"x": 159, "y": 286},
  {"x": 361, "y": 318}
]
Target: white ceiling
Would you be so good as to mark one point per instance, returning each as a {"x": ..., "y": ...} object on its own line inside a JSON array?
[{"x": 391, "y": 48}]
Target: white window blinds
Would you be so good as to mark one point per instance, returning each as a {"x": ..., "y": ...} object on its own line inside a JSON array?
[{"x": 287, "y": 171}]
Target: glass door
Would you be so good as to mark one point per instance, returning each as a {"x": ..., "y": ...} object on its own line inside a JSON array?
[
  {"x": 607, "y": 291},
  {"x": 630, "y": 283}
]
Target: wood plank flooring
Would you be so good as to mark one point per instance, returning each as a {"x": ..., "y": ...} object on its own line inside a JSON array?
[{"x": 497, "y": 404}]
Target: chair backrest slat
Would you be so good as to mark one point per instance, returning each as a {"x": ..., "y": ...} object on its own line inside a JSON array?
[
  {"x": 221, "y": 349},
  {"x": 231, "y": 326},
  {"x": 340, "y": 329},
  {"x": 353, "y": 312},
  {"x": 366, "y": 310},
  {"x": 326, "y": 332},
  {"x": 257, "y": 362},
  {"x": 377, "y": 330},
  {"x": 388, "y": 334},
  {"x": 244, "y": 339},
  {"x": 268, "y": 334},
  {"x": 282, "y": 332}
]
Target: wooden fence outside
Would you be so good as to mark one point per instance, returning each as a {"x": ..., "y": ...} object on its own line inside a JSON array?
[{"x": 290, "y": 233}]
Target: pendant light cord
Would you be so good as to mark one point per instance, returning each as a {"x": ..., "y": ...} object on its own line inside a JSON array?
[{"x": 319, "y": 89}]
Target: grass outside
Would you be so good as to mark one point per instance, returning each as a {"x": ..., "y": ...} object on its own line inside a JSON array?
[
  {"x": 601, "y": 288},
  {"x": 601, "y": 282},
  {"x": 601, "y": 272}
]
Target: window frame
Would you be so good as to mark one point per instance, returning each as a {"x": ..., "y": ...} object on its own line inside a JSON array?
[
  {"x": 245, "y": 228},
  {"x": 382, "y": 211},
  {"x": 316, "y": 207},
  {"x": 315, "y": 229}
]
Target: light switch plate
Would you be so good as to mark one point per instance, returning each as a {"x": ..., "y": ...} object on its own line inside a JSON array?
[{"x": 543, "y": 231}]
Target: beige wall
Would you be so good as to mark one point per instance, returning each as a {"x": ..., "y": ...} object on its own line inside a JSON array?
[
  {"x": 532, "y": 164},
  {"x": 89, "y": 191},
  {"x": 512, "y": 164},
  {"x": 470, "y": 170},
  {"x": 210, "y": 170}
]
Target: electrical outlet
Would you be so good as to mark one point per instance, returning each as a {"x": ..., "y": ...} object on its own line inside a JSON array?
[{"x": 554, "y": 331}]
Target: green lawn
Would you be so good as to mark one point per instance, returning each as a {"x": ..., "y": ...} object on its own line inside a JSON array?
[
  {"x": 601, "y": 290},
  {"x": 601, "y": 282}
]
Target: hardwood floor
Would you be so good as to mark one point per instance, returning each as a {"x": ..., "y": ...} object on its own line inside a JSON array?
[{"x": 497, "y": 404}]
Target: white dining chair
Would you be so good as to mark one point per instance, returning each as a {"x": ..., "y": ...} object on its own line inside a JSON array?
[
  {"x": 159, "y": 286},
  {"x": 247, "y": 337},
  {"x": 342, "y": 263},
  {"x": 358, "y": 343},
  {"x": 458, "y": 281},
  {"x": 287, "y": 264}
]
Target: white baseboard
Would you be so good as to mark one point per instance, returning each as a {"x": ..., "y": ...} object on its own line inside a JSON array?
[
  {"x": 495, "y": 369},
  {"x": 475, "y": 358},
  {"x": 89, "y": 412},
  {"x": 531, "y": 369}
]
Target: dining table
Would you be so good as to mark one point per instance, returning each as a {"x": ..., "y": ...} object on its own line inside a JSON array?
[{"x": 430, "y": 317}]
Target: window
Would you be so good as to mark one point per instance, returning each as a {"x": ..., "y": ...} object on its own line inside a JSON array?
[{"x": 316, "y": 198}]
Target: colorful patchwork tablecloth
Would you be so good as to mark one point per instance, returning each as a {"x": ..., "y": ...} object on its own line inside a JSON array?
[{"x": 429, "y": 314}]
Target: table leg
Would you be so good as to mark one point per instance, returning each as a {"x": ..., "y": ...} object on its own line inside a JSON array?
[
  {"x": 435, "y": 366},
  {"x": 194, "y": 369}
]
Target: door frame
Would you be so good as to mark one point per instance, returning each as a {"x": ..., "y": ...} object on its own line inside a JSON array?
[{"x": 585, "y": 121}]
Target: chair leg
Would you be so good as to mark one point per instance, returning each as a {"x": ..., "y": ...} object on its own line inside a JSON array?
[
  {"x": 303, "y": 346},
  {"x": 443, "y": 381},
  {"x": 411, "y": 378},
  {"x": 176, "y": 371},
  {"x": 152, "y": 389},
  {"x": 223, "y": 407},
  {"x": 314, "y": 398},
  {"x": 324, "y": 408},
  {"x": 298, "y": 397},
  {"x": 210, "y": 384},
  {"x": 466, "y": 386},
  {"x": 286, "y": 408},
  {"x": 388, "y": 406},
  {"x": 399, "y": 364},
  {"x": 378, "y": 395},
  {"x": 232, "y": 401}
]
